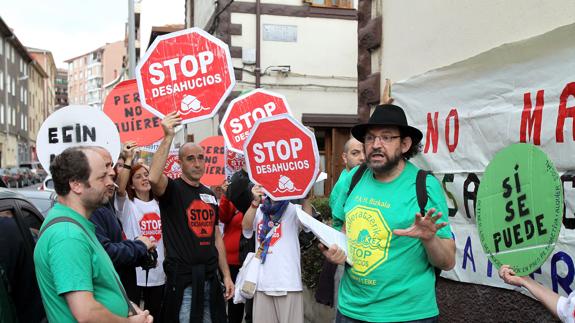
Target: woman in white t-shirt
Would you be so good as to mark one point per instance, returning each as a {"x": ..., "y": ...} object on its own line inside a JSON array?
[
  {"x": 279, "y": 297},
  {"x": 139, "y": 213}
]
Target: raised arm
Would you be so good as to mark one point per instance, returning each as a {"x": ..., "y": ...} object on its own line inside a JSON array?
[
  {"x": 129, "y": 148},
  {"x": 248, "y": 220},
  {"x": 158, "y": 180}
]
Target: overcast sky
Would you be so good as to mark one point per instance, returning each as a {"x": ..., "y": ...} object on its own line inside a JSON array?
[{"x": 69, "y": 28}]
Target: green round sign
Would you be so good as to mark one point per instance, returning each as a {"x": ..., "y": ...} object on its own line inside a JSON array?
[{"x": 519, "y": 208}]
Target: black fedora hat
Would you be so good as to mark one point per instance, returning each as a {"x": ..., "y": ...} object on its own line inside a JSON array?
[{"x": 387, "y": 115}]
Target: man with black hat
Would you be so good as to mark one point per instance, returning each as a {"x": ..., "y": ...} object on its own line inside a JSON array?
[{"x": 393, "y": 247}]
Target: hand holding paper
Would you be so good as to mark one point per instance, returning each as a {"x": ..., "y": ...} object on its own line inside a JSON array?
[{"x": 327, "y": 236}]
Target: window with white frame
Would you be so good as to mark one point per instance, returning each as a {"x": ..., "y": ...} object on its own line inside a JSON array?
[
  {"x": 13, "y": 87},
  {"x": 12, "y": 54},
  {"x": 2, "y": 113}
]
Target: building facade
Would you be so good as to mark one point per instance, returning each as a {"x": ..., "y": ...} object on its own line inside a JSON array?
[
  {"x": 14, "y": 74},
  {"x": 61, "y": 99},
  {"x": 302, "y": 52},
  {"x": 37, "y": 107},
  {"x": 46, "y": 61},
  {"x": 88, "y": 73}
]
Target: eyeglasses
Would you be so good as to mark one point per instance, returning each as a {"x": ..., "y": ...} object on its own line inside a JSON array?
[{"x": 370, "y": 139}]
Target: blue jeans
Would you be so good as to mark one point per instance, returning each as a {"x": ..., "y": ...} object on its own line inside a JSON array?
[
  {"x": 186, "y": 307},
  {"x": 340, "y": 318}
]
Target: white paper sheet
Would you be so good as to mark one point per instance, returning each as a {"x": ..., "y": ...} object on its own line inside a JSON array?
[{"x": 326, "y": 234}]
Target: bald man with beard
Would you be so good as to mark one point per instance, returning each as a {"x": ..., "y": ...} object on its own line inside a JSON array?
[
  {"x": 194, "y": 246},
  {"x": 353, "y": 155}
]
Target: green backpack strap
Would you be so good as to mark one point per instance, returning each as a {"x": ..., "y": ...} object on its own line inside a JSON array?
[{"x": 131, "y": 309}]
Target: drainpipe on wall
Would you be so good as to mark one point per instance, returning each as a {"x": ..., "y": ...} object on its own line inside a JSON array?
[
  {"x": 258, "y": 44},
  {"x": 131, "y": 40}
]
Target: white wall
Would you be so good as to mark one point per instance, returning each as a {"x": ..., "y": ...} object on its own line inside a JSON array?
[
  {"x": 203, "y": 11},
  {"x": 422, "y": 35},
  {"x": 323, "y": 62}
]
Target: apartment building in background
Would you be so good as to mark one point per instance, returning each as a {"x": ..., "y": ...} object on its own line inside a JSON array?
[
  {"x": 14, "y": 74},
  {"x": 46, "y": 60},
  {"x": 37, "y": 104},
  {"x": 61, "y": 88},
  {"x": 88, "y": 73}
]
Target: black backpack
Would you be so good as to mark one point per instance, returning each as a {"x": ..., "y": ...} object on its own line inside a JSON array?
[{"x": 420, "y": 190}]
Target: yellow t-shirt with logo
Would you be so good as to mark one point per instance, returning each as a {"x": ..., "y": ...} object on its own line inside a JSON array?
[{"x": 391, "y": 279}]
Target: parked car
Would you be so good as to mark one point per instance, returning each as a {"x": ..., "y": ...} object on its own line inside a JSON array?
[
  {"x": 27, "y": 176},
  {"x": 47, "y": 185},
  {"x": 7, "y": 178},
  {"x": 20, "y": 223},
  {"x": 37, "y": 170},
  {"x": 42, "y": 200},
  {"x": 11, "y": 179}
]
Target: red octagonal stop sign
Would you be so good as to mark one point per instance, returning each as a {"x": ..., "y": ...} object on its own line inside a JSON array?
[
  {"x": 245, "y": 110},
  {"x": 188, "y": 71},
  {"x": 282, "y": 156},
  {"x": 122, "y": 105}
]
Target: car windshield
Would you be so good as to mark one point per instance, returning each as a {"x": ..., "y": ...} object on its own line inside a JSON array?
[{"x": 50, "y": 183}]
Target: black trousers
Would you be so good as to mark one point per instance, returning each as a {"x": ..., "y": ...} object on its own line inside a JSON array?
[
  {"x": 236, "y": 311},
  {"x": 152, "y": 297}
]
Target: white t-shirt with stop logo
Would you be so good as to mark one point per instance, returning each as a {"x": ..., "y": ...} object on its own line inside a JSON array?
[
  {"x": 281, "y": 271},
  {"x": 140, "y": 218}
]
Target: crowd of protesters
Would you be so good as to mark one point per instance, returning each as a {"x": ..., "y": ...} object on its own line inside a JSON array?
[{"x": 129, "y": 244}]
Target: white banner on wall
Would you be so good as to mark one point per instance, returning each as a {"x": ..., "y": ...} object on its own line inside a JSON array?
[{"x": 468, "y": 111}]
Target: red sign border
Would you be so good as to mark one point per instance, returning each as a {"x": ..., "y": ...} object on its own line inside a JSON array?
[
  {"x": 243, "y": 97},
  {"x": 176, "y": 34},
  {"x": 315, "y": 151}
]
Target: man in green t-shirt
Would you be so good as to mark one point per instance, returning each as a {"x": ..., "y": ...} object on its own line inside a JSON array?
[
  {"x": 76, "y": 277},
  {"x": 393, "y": 248}
]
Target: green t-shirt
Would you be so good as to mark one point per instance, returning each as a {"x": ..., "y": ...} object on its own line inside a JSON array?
[
  {"x": 334, "y": 197},
  {"x": 391, "y": 279},
  {"x": 67, "y": 260}
]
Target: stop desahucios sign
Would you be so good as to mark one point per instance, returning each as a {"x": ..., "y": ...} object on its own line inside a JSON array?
[
  {"x": 243, "y": 112},
  {"x": 189, "y": 71},
  {"x": 282, "y": 157}
]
